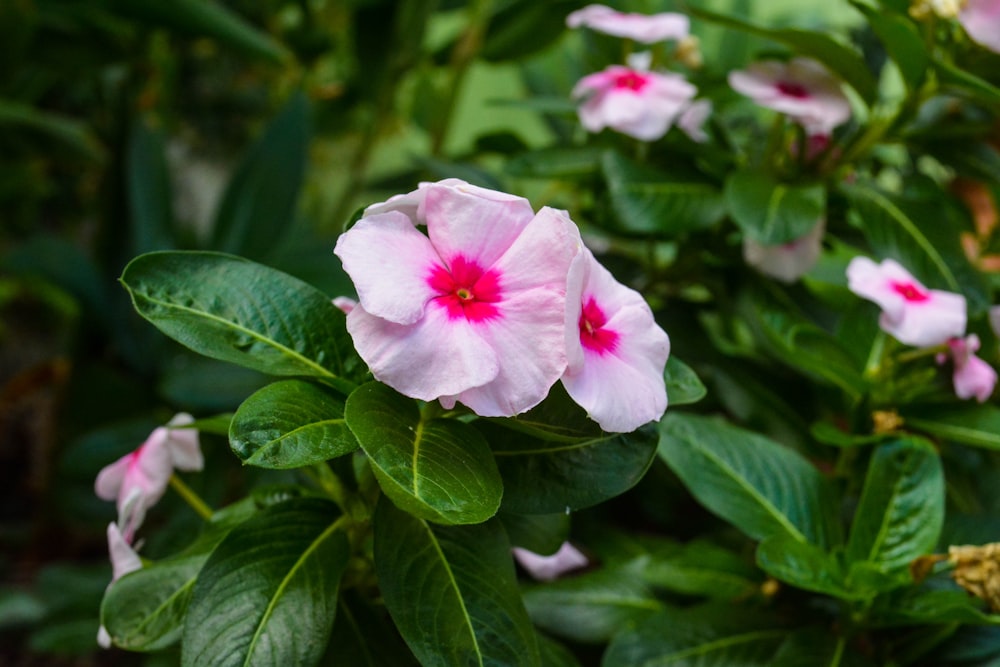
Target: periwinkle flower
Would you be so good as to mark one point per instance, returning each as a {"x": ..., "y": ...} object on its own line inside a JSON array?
[
  {"x": 971, "y": 376},
  {"x": 646, "y": 28},
  {"x": 786, "y": 262},
  {"x": 550, "y": 568},
  {"x": 981, "y": 20}
]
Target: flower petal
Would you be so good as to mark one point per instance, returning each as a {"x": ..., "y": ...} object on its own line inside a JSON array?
[
  {"x": 389, "y": 261},
  {"x": 109, "y": 479},
  {"x": 124, "y": 559},
  {"x": 184, "y": 446},
  {"x": 981, "y": 19},
  {"x": 549, "y": 568}
]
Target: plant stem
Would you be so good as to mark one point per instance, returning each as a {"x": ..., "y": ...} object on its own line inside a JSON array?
[{"x": 200, "y": 507}]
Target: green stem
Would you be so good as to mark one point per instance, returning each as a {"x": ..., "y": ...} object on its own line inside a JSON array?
[
  {"x": 200, "y": 507},
  {"x": 331, "y": 484},
  {"x": 913, "y": 355},
  {"x": 838, "y": 652}
]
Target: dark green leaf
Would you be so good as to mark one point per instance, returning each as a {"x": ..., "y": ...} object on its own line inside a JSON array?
[
  {"x": 683, "y": 384},
  {"x": 234, "y": 310},
  {"x": 452, "y": 591},
  {"x": 149, "y": 195},
  {"x": 646, "y": 200},
  {"x": 268, "y": 593},
  {"x": 555, "y": 654},
  {"x": 760, "y": 487},
  {"x": 804, "y": 565},
  {"x": 700, "y": 568},
  {"x": 542, "y": 534},
  {"x": 69, "y": 131},
  {"x": 556, "y": 163},
  {"x": 594, "y": 606},
  {"x": 258, "y": 206},
  {"x": 970, "y": 85},
  {"x": 290, "y": 424},
  {"x": 771, "y": 212},
  {"x": 364, "y": 636},
  {"x": 523, "y": 27},
  {"x": 976, "y": 425},
  {"x": 837, "y": 57},
  {"x": 204, "y": 18},
  {"x": 902, "y": 42},
  {"x": 917, "y": 606},
  {"x": 441, "y": 470},
  {"x": 901, "y": 510}
]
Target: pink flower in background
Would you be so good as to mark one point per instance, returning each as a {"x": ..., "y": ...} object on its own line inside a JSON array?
[
  {"x": 972, "y": 376},
  {"x": 615, "y": 349},
  {"x": 646, "y": 28},
  {"x": 139, "y": 479},
  {"x": 912, "y": 313},
  {"x": 549, "y": 568},
  {"x": 474, "y": 310},
  {"x": 981, "y": 19},
  {"x": 633, "y": 100},
  {"x": 786, "y": 262},
  {"x": 802, "y": 89},
  {"x": 124, "y": 559},
  {"x": 344, "y": 303},
  {"x": 692, "y": 119}
]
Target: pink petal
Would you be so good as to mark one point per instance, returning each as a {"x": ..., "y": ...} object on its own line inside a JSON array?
[
  {"x": 981, "y": 19},
  {"x": 344, "y": 303},
  {"x": 389, "y": 261},
  {"x": 692, "y": 119},
  {"x": 548, "y": 568},
  {"x": 109, "y": 479},
  {"x": 183, "y": 443},
  {"x": 972, "y": 376},
  {"x": 786, "y": 262},
  {"x": 150, "y": 469},
  {"x": 818, "y": 103},
  {"x": 642, "y": 105},
  {"x": 432, "y": 357},
  {"x": 123, "y": 558},
  {"x": 622, "y": 387},
  {"x": 640, "y": 27}
]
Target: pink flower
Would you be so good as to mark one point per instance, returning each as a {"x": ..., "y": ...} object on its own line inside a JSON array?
[
  {"x": 615, "y": 349},
  {"x": 786, "y": 262},
  {"x": 981, "y": 19},
  {"x": 646, "y": 28},
  {"x": 138, "y": 480},
  {"x": 124, "y": 559},
  {"x": 549, "y": 568},
  {"x": 912, "y": 313},
  {"x": 802, "y": 89},
  {"x": 972, "y": 376},
  {"x": 692, "y": 119},
  {"x": 633, "y": 101},
  {"x": 474, "y": 310},
  {"x": 345, "y": 303}
]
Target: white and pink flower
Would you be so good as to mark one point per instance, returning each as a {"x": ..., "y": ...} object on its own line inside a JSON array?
[
  {"x": 471, "y": 312},
  {"x": 616, "y": 351},
  {"x": 972, "y": 377},
  {"x": 981, "y": 20},
  {"x": 786, "y": 262},
  {"x": 139, "y": 479},
  {"x": 801, "y": 88},
  {"x": 646, "y": 28},
  {"x": 635, "y": 101},
  {"x": 124, "y": 559},
  {"x": 550, "y": 568},
  {"x": 912, "y": 313}
]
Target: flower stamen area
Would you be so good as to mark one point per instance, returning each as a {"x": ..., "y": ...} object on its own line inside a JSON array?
[
  {"x": 910, "y": 292},
  {"x": 631, "y": 80},
  {"x": 793, "y": 89},
  {"x": 465, "y": 290},
  {"x": 593, "y": 335}
]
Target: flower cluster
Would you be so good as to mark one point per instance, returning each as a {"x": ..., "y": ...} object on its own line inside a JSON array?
[
  {"x": 925, "y": 318},
  {"x": 494, "y": 304},
  {"x": 634, "y": 99}
]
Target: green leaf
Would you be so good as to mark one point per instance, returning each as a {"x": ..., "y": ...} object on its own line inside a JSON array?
[
  {"x": 148, "y": 185},
  {"x": 556, "y": 162},
  {"x": 523, "y": 27},
  {"x": 700, "y": 568},
  {"x": 902, "y": 42},
  {"x": 976, "y": 425},
  {"x": 594, "y": 606},
  {"x": 542, "y": 534},
  {"x": 647, "y": 200},
  {"x": 203, "y": 18},
  {"x": 901, "y": 510},
  {"x": 364, "y": 636},
  {"x": 683, "y": 384},
  {"x": 441, "y": 470},
  {"x": 805, "y": 566},
  {"x": 918, "y": 606},
  {"x": 960, "y": 81},
  {"x": 759, "y": 486},
  {"x": 542, "y": 476},
  {"x": 234, "y": 310},
  {"x": 837, "y": 57},
  {"x": 258, "y": 206},
  {"x": 771, "y": 212},
  {"x": 452, "y": 591},
  {"x": 699, "y": 637},
  {"x": 555, "y": 654},
  {"x": 290, "y": 424},
  {"x": 268, "y": 593},
  {"x": 69, "y": 131}
]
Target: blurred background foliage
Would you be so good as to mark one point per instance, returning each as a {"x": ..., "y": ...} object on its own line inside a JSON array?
[{"x": 252, "y": 127}]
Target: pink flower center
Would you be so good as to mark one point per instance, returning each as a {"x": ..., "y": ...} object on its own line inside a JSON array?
[
  {"x": 631, "y": 80},
  {"x": 593, "y": 335},
  {"x": 466, "y": 290},
  {"x": 793, "y": 89},
  {"x": 910, "y": 292}
]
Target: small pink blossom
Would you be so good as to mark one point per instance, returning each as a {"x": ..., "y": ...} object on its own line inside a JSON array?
[
  {"x": 911, "y": 313},
  {"x": 473, "y": 311},
  {"x": 692, "y": 120},
  {"x": 549, "y": 568},
  {"x": 633, "y": 101},
  {"x": 972, "y": 376},
  {"x": 786, "y": 262},
  {"x": 616, "y": 351},
  {"x": 344, "y": 303},
  {"x": 139, "y": 479},
  {"x": 646, "y": 28},
  {"x": 802, "y": 89},
  {"x": 124, "y": 559},
  {"x": 981, "y": 19}
]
